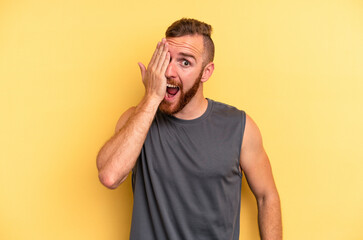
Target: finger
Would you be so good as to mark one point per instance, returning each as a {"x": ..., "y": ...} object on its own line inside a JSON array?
[
  {"x": 142, "y": 70},
  {"x": 165, "y": 63},
  {"x": 154, "y": 55},
  {"x": 160, "y": 51},
  {"x": 152, "y": 60},
  {"x": 161, "y": 55}
]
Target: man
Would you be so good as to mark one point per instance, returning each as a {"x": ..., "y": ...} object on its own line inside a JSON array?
[{"x": 186, "y": 152}]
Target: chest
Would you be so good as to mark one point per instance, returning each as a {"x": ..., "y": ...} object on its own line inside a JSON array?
[{"x": 193, "y": 152}]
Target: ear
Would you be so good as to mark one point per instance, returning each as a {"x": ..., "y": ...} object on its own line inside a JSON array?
[{"x": 207, "y": 72}]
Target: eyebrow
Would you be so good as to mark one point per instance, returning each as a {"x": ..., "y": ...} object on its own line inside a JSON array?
[{"x": 188, "y": 55}]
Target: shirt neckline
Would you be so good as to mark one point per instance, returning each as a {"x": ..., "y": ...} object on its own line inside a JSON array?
[{"x": 195, "y": 120}]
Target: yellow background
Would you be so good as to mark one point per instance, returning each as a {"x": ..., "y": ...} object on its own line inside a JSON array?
[{"x": 68, "y": 69}]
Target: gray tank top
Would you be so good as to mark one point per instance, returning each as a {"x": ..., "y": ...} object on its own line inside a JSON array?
[{"x": 187, "y": 182}]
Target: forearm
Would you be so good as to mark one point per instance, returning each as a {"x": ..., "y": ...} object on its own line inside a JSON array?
[
  {"x": 118, "y": 156},
  {"x": 269, "y": 218}
]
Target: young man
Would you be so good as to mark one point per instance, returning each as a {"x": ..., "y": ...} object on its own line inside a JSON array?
[{"x": 186, "y": 152}]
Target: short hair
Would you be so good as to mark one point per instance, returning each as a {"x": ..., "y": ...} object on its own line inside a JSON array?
[{"x": 189, "y": 26}]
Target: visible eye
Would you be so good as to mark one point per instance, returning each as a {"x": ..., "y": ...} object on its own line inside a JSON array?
[{"x": 185, "y": 63}]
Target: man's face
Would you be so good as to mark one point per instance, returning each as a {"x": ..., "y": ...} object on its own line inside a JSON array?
[{"x": 184, "y": 72}]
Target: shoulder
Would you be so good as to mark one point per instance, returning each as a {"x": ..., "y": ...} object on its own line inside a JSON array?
[
  {"x": 226, "y": 109},
  {"x": 124, "y": 118},
  {"x": 252, "y": 139}
]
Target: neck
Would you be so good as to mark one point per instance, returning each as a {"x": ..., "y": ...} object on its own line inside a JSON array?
[{"x": 195, "y": 108}]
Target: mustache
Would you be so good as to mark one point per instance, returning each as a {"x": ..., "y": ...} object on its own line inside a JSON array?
[{"x": 174, "y": 82}]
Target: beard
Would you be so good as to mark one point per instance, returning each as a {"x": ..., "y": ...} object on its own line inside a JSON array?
[{"x": 184, "y": 98}]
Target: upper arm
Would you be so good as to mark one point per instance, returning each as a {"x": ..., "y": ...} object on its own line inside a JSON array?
[
  {"x": 255, "y": 163},
  {"x": 123, "y": 119},
  {"x": 121, "y": 122}
]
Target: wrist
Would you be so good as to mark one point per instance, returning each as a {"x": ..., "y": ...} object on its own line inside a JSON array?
[
  {"x": 153, "y": 98},
  {"x": 149, "y": 103}
]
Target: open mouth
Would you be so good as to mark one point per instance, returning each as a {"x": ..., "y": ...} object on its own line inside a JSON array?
[{"x": 172, "y": 90}]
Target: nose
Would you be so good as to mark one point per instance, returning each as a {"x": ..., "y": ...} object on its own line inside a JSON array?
[{"x": 170, "y": 71}]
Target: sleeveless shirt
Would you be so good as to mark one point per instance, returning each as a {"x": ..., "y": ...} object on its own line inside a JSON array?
[{"x": 186, "y": 181}]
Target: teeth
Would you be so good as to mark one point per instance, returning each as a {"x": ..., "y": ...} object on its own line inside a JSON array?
[{"x": 171, "y": 86}]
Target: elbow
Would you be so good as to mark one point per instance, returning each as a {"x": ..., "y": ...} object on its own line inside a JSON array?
[
  {"x": 269, "y": 199},
  {"x": 108, "y": 180},
  {"x": 108, "y": 176}
]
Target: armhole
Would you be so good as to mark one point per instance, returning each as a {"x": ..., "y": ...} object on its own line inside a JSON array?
[
  {"x": 133, "y": 178},
  {"x": 243, "y": 126},
  {"x": 134, "y": 172}
]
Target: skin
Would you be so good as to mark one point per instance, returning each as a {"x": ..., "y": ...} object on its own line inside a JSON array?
[
  {"x": 180, "y": 61},
  {"x": 186, "y": 65},
  {"x": 255, "y": 164},
  {"x": 185, "y": 60}
]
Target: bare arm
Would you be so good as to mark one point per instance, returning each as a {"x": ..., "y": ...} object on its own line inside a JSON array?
[
  {"x": 119, "y": 154},
  {"x": 256, "y": 166}
]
